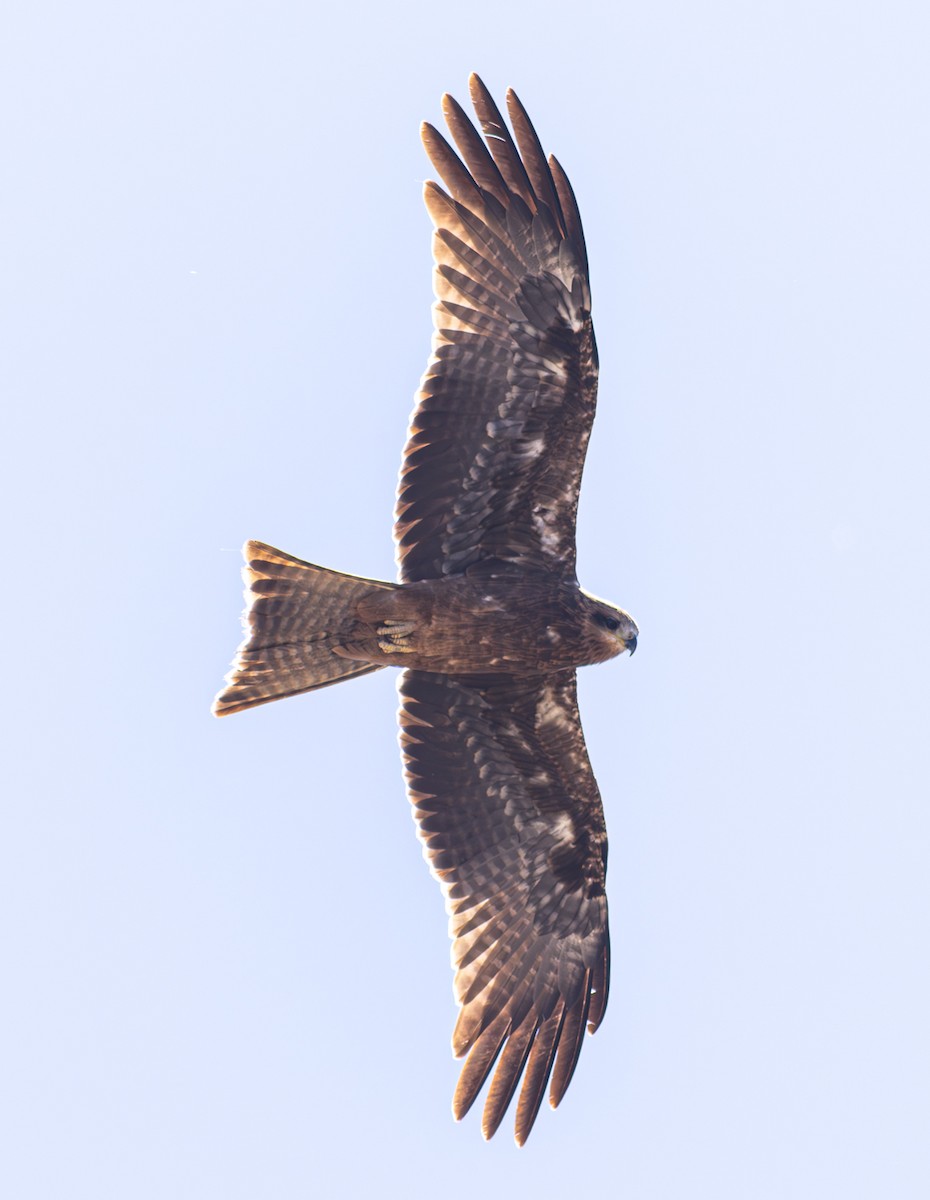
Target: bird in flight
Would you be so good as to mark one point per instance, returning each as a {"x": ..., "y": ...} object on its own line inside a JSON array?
[{"x": 487, "y": 620}]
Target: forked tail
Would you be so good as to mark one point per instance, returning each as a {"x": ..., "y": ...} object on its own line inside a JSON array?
[{"x": 296, "y": 616}]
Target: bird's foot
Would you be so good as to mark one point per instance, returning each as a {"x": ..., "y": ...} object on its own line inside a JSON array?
[{"x": 394, "y": 637}]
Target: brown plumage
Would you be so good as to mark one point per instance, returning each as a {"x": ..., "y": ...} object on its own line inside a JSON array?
[{"x": 487, "y": 619}]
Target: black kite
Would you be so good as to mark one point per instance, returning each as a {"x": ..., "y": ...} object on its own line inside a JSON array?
[{"x": 487, "y": 619}]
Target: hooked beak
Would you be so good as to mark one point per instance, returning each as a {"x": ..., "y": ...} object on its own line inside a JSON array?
[{"x": 631, "y": 643}]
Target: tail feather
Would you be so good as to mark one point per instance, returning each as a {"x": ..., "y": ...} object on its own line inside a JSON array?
[{"x": 296, "y": 615}]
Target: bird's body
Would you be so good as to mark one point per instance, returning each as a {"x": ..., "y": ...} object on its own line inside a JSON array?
[
  {"x": 471, "y": 625},
  {"x": 487, "y": 619}
]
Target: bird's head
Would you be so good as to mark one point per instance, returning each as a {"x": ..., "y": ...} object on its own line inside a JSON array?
[{"x": 616, "y": 629}]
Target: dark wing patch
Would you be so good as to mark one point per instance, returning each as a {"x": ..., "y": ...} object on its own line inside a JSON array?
[
  {"x": 511, "y": 820},
  {"x": 497, "y": 441}
]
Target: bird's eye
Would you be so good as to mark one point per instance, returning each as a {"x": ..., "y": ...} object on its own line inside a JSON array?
[{"x": 610, "y": 623}]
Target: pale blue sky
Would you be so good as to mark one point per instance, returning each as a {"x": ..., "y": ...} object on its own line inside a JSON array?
[{"x": 226, "y": 971}]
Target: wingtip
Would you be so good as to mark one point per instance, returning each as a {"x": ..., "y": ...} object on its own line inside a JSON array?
[
  {"x": 478, "y": 90},
  {"x": 490, "y": 1123},
  {"x": 225, "y": 708},
  {"x": 515, "y": 105}
]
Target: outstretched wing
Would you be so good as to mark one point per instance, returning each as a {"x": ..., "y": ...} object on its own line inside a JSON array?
[
  {"x": 511, "y": 820},
  {"x": 497, "y": 441}
]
